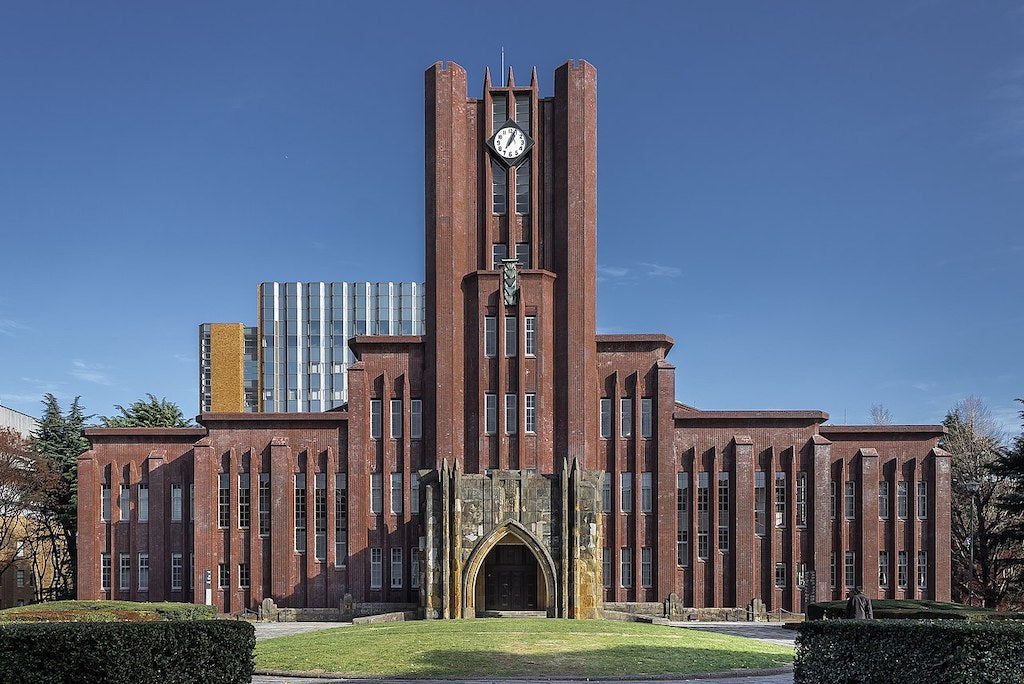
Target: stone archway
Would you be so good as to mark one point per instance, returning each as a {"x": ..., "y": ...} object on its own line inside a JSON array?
[{"x": 513, "y": 532}]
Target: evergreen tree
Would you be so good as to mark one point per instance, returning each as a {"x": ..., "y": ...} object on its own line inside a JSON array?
[
  {"x": 150, "y": 412},
  {"x": 1010, "y": 468}
]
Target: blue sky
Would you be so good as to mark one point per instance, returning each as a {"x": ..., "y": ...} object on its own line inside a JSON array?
[{"x": 822, "y": 203}]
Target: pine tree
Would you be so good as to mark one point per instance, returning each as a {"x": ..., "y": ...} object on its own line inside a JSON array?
[
  {"x": 152, "y": 413},
  {"x": 1010, "y": 468}
]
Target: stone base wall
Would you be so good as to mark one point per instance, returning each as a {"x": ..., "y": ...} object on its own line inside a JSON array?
[{"x": 652, "y": 608}]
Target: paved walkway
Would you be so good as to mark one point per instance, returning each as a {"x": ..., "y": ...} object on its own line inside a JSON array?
[
  {"x": 269, "y": 630},
  {"x": 771, "y": 679},
  {"x": 772, "y": 632}
]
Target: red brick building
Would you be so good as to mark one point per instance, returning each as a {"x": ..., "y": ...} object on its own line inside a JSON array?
[{"x": 511, "y": 458}]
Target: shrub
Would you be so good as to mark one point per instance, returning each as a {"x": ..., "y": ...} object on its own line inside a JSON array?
[
  {"x": 934, "y": 651},
  {"x": 157, "y": 652},
  {"x": 903, "y": 610},
  {"x": 106, "y": 611}
]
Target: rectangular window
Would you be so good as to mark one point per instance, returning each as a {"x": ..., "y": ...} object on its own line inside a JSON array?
[
  {"x": 850, "y": 500},
  {"x": 20, "y": 580},
  {"x": 510, "y": 414},
  {"x": 626, "y": 417},
  {"x": 646, "y": 417},
  {"x": 243, "y": 575},
  {"x": 499, "y": 252},
  {"x": 523, "y": 111},
  {"x": 703, "y": 516},
  {"x": 626, "y": 565},
  {"x": 922, "y": 569},
  {"x": 264, "y": 504},
  {"x": 340, "y": 519},
  {"x": 105, "y": 568},
  {"x": 223, "y": 500},
  {"x": 626, "y": 492},
  {"x": 490, "y": 413},
  {"x": 646, "y": 492},
  {"x": 143, "y": 572},
  {"x": 530, "y": 415},
  {"x": 123, "y": 503},
  {"x": 243, "y": 501},
  {"x": 176, "y": 571},
  {"x": 300, "y": 512},
  {"x": 124, "y": 572},
  {"x": 883, "y": 500},
  {"x": 901, "y": 500},
  {"x": 396, "y": 418},
  {"x": 414, "y": 493},
  {"x": 523, "y": 189},
  {"x": 780, "y": 575},
  {"x": 490, "y": 336},
  {"x": 499, "y": 111},
  {"x": 416, "y": 418},
  {"x": 851, "y": 569},
  {"x": 223, "y": 576},
  {"x": 760, "y": 503},
  {"x": 396, "y": 568},
  {"x": 606, "y": 418},
  {"x": 801, "y": 499},
  {"x": 499, "y": 185},
  {"x": 834, "y": 570},
  {"x": 682, "y": 519},
  {"x": 175, "y": 502},
  {"x": 901, "y": 569},
  {"x": 376, "y": 420},
  {"x": 511, "y": 336},
  {"x": 104, "y": 502},
  {"x": 780, "y": 499},
  {"x": 396, "y": 492},
  {"x": 143, "y": 502},
  {"x": 883, "y": 569},
  {"x": 192, "y": 502},
  {"x": 414, "y": 569},
  {"x": 833, "y": 499},
  {"x": 922, "y": 499},
  {"x": 530, "y": 336},
  {"x": 646, "y": 567},
  {"x": 606, "y": 494},
  {"x": 376, "y": 568},
  {"x": 723, "y": 512},
  {"x": 376, "y": 493},
  {"x": 523, "y": 254},
  {"x": 320, "y": 516},
  {"x": 606, "y": 566}
]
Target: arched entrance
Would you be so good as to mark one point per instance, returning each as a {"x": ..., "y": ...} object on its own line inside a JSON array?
[{"x": 509, "y": 572}]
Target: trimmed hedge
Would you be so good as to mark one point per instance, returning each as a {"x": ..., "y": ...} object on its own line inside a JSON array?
[
  {"x": 933, "y": 651},
  {"x": 106, "y": 611},
  {"x": 905, "y": 610},
  {"x": 219, "y": 651}
]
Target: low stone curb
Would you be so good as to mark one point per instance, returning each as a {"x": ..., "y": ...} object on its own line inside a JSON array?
[{"x": 668, "y": 676}]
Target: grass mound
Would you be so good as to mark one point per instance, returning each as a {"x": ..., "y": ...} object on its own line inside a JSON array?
[
  {"x": 514, "y": 648},
  {"x": 106, "y": 611}
]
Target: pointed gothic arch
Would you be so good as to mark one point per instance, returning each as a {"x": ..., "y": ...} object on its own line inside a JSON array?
[{"x": 476, "y": 559}]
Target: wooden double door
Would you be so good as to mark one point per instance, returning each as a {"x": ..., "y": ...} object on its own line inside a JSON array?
[{"x": 510, "y": 574}]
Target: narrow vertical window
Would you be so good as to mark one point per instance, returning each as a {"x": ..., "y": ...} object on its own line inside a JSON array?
[
  {"x": 606, "y": 493},
  {"x": 376, "y": 493},
  {"x": 801, "y": 499},
  {"x": 523, "y": 111},
  {"x": 499, "y": 252},
  {"x": 192, "y": 502},
  {"x": 723, "y": 512},
  {"x": 626, "y": 572},
  {"x": 523, "y": 254},
  {"x": 922, "y": 569},
  {"x": 883, "y": 569},
  {"x": 922, "y": 499},
  {"x": 523, "y": 188},
  {"x": 176, "y": 571},
  {"x": 851, "y": 569},
  {"x": 499, "y": 111},
  {"x": 414, "y": 493},
  {"x": 850, "y": 500},
  {"x": 376, "y": 568},
  {"x": 606, "y": 567},
  {"x": 416, "y": 419},
  {"x": 780, "y": 575},
  {"x": 646, "y": 417},
  {"x": 105, "y": 569},
  {"x": 901, "y": 499},
  {"x": 123, "y": 503},
  {"x": 376, "y": 420},
  {"x": 490, "y": 336},
  {"x": 243, "y": 575},
  {"x": 606, "y": 418},
  {"x": 626, "y": 417},
  {"x": 396, "y": 568},
  {"x": 510, "y": 414},
  {"x": 646, "y": 567},
  {"x": 511, "y": 336},
  {"x": 124, "y": 572},
  {"x": 490, "y": 413},
  {"x": 143, "y": 572},
  {"x": 530, "y": 336},
  {"x": 530, "y": 413},
  {"x": 396, "y": 418},
  {"x": 801, "y": 573},
  {"x": 104, "y": 502},
  {"x": 499, "y": 185},
  {"x": 833, "y": 498},
  {"x": 320, "y": 516},
  {"x": 396, "y": 492},
  {"x": 223, "y": 500},
  {"x": 143, "y": 502},
  {"x": 264, "y": 504},
  {"x": 244, "y": 508},
  {"x": 682, "y": 519},
  {"x": 760, "y": 503},
  {"x": 300, "y": 512},
  {"x": 834, "y": 570},
  {"x": 175, "y": 502},
  {"x": 883, "y": 499},
  {"x": 223, "y": 576},
  {"x": 780, "y": 499},
  {"x": 646, "y": 492},
  {"x": 340, "y": 519},
  {"x": 626, "y": 492},
  {"x": 901, "y": 570},
  {"x": 703, "y": 516}
]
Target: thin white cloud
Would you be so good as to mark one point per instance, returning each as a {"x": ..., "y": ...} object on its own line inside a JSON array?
[
  {"x": 661, "y": 271},
  {"x": 90, "y": 372},
  {"x": 9, "y": 326},
  {"x": 612, "y": 271},
  {"x": 184, "y": 358}
]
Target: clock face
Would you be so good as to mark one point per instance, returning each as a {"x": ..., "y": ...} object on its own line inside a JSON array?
[{"x": 510, "y": 142}]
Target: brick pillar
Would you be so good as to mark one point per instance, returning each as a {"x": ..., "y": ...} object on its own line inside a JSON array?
[
  {"x": 205, "y": 522},
  {"x": 869, "y": 542},
  {"x": 940, "y": 517},
  {"x": 282, "y": 520},
  {"x": 821, "y": 556},
  {"x": 743, "y": 519},
  {"x": 157, "y": 530},
  {"x": 665, "y": 504},
  {"x": 90, "y": 529}
]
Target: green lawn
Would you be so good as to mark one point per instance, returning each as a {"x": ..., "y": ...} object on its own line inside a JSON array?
[
  {"x": 105, "y": 611},
  {"x": 514, "y": 647}
]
